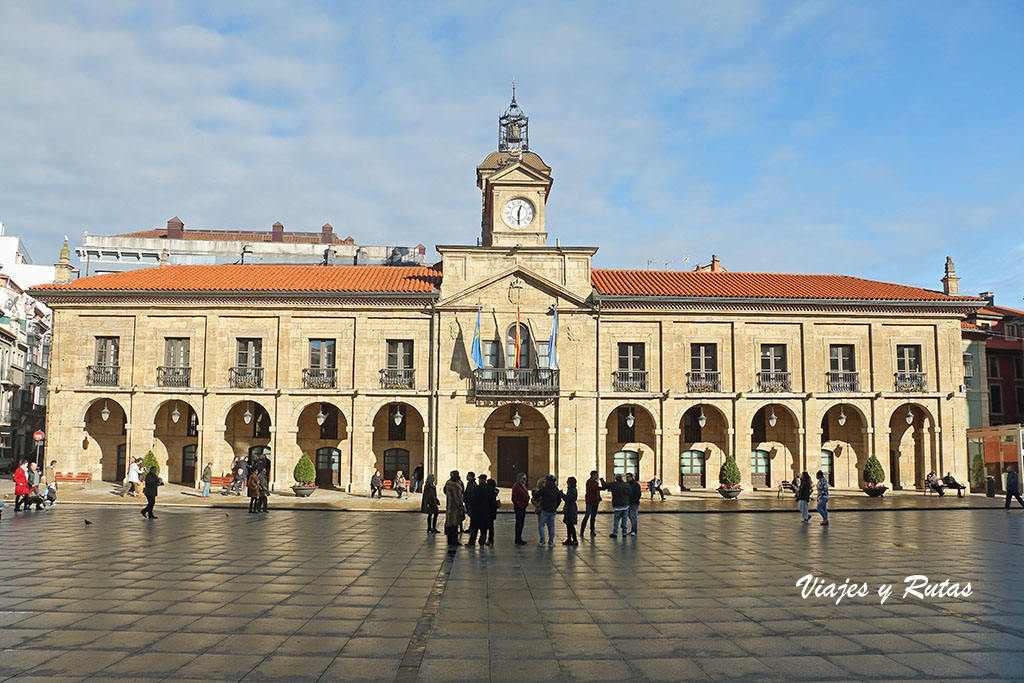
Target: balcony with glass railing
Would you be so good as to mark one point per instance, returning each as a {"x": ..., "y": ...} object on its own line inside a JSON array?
[{"x": 397, "y": 378}]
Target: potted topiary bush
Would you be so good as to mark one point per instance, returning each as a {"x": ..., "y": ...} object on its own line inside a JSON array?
[
  {"x": 729, "y": 479},
  {"x": 149, "y": 460},
  {"x": 977, "y": 472},
  {"x": 874, "y": 475},
  {"x": 305, "y": 477}
]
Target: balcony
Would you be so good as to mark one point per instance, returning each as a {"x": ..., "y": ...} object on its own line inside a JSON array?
[
  {"x": 394, "y": 378},
  {"x": 630, "y": 380},
  {"x": 774, "y": 382},
  {"x": 515, "y": 383},
  {"x": 911, "y": 381},
  {"x": 173, "y": 376},
  {"x": 243, "y": 377},
  {"x": 102, "y": 375},
  {"x": 703, "y": 382},
  {"x": 843, "y": 382},
  {"x": 320, "y": 378}
]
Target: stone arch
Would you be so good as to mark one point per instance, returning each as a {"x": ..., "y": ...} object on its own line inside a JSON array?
[
  {"x": 780, "y": 441},
  {"x": 848, "y": 443},
  {"x": 316, "y": 440},
  {"x": 170, "y": 439},
  {"x": 242, "y": 436},
  {"x": 510, "y": 448},
  {"x": 640, "y": 438},
  {"x": 109, "y": 436},
  {"x": 407, "y": 435},
  {"x": 912, "y": 451},
  {"x": 712, "y": 440}
]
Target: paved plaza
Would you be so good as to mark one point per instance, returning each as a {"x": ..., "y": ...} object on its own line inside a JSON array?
[{"x": 203, "y": 594}]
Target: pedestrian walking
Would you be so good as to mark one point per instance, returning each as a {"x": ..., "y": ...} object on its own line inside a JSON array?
[
  {"x": 520, "y": 501},
  {"x": 376, "y": 486},
  {"x": 152, "y": 482},
  {"x": 252, "y": 486},
  {"x": 654, "y": 486},
  {"x": 417, "y": 479},
  {"x": 1012, "y": 487},
  {"x": 570, "y": 511},
  {"x": 803, "y": 496},
  {"x": 133, "y": 477},
  {"x": 822, "y": 497},
  {"x": 430, "y": 505},
  {"x": 399, "y": 484},
  {"x": 35, "y": 478},
  {"x": 550, "y": 498},
  {"x": 21, "y": 489},
  {"x": 263, "y": 476},
  {"x": 635, "y": 494},
  {"x": 620, "y": 503},
  {"x": 51, "y": 476},
  {"x": 207, "y": 478},
  {"x": 454, "y": 509},
  {"x": 592, "y": 498}
]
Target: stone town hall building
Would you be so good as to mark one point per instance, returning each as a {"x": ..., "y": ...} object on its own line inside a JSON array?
[{"x": 366, "y": 367}]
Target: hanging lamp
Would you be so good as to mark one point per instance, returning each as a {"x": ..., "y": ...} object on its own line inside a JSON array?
[
  {"x": 105, "y": 413},
  {"x": 175, "y": 414},
  {"x": 772, "y": 419},
  {"x": 321, "y": 417},
  {"x": 630, "y": 420},
  {"x": 517, "y": 419},
  {"x": 398, "y": 415},
  {"x": 910, "y": 416},
  {"x": 842, "y": 417},
  {"x": 701, "y": 419},
  {"x": 247, "y": 415}
]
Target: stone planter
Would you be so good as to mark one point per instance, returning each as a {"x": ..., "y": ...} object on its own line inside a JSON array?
[
  {"x": 729, "y": 494},
  {"x": 874, "y": 491},
  {"x": 303, "y": 491}
]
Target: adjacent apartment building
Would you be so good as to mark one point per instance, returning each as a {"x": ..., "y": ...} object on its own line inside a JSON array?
[{"x": 510, "y": 355}]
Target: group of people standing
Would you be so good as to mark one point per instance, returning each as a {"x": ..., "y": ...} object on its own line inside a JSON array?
[
  {"x": 32, "y": 487},
  {"x": 477, "y": 500}
]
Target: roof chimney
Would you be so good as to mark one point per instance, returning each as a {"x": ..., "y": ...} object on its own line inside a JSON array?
[
  {"x": 175, "y": 228},
  {"x": 277, "y": 232},
  {"x": 716, "y": 267},
  {"x": 327, "y": 234},
  {"x": 950, "y": 283},
  {"x": 991, "y": 296},
  {"x": 62, "y": 270}
]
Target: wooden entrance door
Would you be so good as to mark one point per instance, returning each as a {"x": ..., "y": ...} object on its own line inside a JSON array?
[
  {"x": 760, "y": 469},
  {"x": 328, "y": 467},
  {"x": 188, "y": 465},
  {"x": 894, "y": 470},
  {"x": 513, "y": 458}
]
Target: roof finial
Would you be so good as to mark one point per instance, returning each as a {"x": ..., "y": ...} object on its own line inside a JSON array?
[{"x": 513, "y": 90}]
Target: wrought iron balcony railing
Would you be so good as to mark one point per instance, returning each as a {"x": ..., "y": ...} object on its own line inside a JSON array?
[
  {"x": 173, "y": 376},
  {"x": 394, "y": 378},
  {"x": 515, "y": 382},
  {"x": 911, "y": 381},
  {"x": 704, "y": 381},
  {"x": 320, "y": 378},
  {"x": 630, "y": 380},
  {"x": 774, "y": 382},
  {"x": 102, "y": 375},
  {"x": 243, "y": 377},
  {"x": 843, "y": 382}
]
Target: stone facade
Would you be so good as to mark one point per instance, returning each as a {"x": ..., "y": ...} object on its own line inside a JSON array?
[{"x": 587, "y": 414}]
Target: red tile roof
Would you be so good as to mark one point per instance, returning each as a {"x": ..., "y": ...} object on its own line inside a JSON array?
[
  {"x": 1001, "y": 310},
  {"x": 262, "y": 278},
  {"x": 968, "y": 326},
  {"x": 237, "y": 236},
  {"x": 756, "y": 285}
]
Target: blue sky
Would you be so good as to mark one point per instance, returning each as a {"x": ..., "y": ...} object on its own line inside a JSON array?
[{"x": 871, "y": 139}]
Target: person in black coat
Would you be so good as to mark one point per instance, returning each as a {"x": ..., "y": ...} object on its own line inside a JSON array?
[
  {"x": 635, "y": 495},
  {"x": 570, "y": 511},
  {"x": 803, "y": 496},
  {"x": 152, "y": 482},
  {"x": 482, "y": 512}
]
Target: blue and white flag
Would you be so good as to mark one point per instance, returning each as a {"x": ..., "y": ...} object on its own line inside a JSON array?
[
  {"x": 553, "y": 342},
  {"x": 475, "y": 353}
]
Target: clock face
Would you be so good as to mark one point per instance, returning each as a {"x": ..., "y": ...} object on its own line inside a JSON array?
[{"x": 518, "y": 213}]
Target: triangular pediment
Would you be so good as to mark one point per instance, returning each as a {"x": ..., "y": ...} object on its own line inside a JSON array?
[
  {"x": 471, "y": 293},
  {"x": 519, "y": 173}
]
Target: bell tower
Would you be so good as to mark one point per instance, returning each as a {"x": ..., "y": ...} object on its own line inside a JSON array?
[{"x": 515, "y": 183}]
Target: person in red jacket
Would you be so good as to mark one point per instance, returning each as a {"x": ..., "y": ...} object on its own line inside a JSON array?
[
  {"x": 592, "y": 499},
  {"x": 21, "y": 488},
  {"x": 520, "y": 501}
]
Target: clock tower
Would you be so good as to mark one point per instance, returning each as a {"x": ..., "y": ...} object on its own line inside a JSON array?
[{"x": 515, "y": 183}]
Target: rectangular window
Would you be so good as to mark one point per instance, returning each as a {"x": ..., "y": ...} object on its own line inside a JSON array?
[
  {"x": 993, "y": 367},
  {"x": 396, "y": 427},
  {"x": 968, "y": 370},
  {"x": 321, "y": 354},
  {"x": 625, "y": 462},
  {"x": 1020, "y": 400},
  {"x": 492, "y": 354},
  {"x": 773, "y": 358},
  {"x": 250, "y": 353},
  {"x": 399, "y": 354},
  {"x": 995, "y": 393},
  {"x": 1018, "y": 368},
  {"x": 193, "y": 423},
  {"x": 631, "y": 357},
  {"x": 261, "y": 423},
  {"x": 543, "y": 356},
  {"x": 840, "y": 358},
  {"x": 704, "y": 357},
  {"x": 908, "y": 358},
  {"x": 106, "y": 350},
  {"x": 627, "y": 426},
  {"x": 176, "y": 350}
]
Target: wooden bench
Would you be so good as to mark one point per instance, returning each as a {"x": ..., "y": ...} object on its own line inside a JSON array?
[
  {"x": 786, "y": 486},
  {"x": 222, "y": 482},
  {"x": 74, "y": 477}
]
